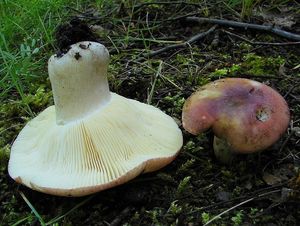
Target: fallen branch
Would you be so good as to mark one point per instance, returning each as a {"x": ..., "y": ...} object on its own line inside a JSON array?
[
  {"x": 181, "y": 45},
  {"x": 268, "y": 28}
]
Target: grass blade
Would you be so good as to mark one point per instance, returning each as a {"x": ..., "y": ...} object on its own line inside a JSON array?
[
  {"x": 55, "y": 219},
  {"x": 37, "y": 215}
]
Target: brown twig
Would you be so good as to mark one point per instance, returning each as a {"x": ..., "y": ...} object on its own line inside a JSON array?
[
  {"x": 296, "y": 98},
  {"x": 231, "y": 23},
  {"x": 226, "y": 211},
  {"x": 290, "y": 90},
  {"x": 261, "y": 43},
  {"x": 256, "y": 195},
  {"x": 286, "y": 141},
  {"x": 239, "y": 204},
  {"x": 181, "y": 45},
  {"x": 180, "y": 17},
  {"x": 167, "y": 3}
]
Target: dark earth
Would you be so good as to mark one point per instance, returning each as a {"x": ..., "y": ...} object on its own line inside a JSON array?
[{"x": 257, "y": 189}]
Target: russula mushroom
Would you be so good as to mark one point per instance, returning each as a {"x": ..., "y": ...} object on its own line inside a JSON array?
[
  {"x": 91, "y": 139},
  {"x": 246, "y": 116}
]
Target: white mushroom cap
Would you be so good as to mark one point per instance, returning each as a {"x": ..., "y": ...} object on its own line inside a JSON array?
[{"x": 69, "y": 150}]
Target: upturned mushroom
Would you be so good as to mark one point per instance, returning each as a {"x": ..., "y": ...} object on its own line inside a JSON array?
[
  {"x": 91, "y": 139},
  {"x": 246, "y": 116}
]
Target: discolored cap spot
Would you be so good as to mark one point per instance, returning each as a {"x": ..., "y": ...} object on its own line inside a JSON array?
[
  {"x": 263, "y": 114},
  {"x": 18, "y": 180}
]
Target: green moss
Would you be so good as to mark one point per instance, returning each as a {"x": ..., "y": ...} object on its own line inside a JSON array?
[
  {"x": 251, "y": 64},
  {"x": 238, "y": 218},
  {"x": 175, "y": 102},
  {"x": 174, "y": 208},
  {"x": 183, "y": 185},
  {"x": 184, "y": 60},
  {"x": 4, "y": 156},
  {"x": 185, "y": 167},
  {"x": 220, "y": 72},
  {"x": 39, "y": 99},
  {"x": 14, "y": 114},
  {"x": 258, "y": 65},
  {"x": 155, "y": 215},
  {"x": 190, "y": 145},
  {"x": 205, "y": 217}
]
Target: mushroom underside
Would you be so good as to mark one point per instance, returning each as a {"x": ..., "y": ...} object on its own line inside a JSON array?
[{"x": 103, "y": 150}]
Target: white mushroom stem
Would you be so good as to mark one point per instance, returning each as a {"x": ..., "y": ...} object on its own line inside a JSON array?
[
  {"x": 79, "y": 81},
  {"x": 223, "y": 151}
]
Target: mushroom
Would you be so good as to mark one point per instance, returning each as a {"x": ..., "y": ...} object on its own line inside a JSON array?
[
  {"x": 91, "y": 139},
  {"x": 246, "y": 116}
]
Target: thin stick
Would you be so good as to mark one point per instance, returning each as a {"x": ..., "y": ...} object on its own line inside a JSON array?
[
  {"x": 149, "y": 99},
  {"x": 262, "y": 43},
  {"x": 290, "y": 90},
  {"x": 239, "y": 204},
  {"x": 226, "y": 211},
  {"x": 295, "y": 97},
  {"x": 246, "y": 26},
  {"x": 181, "y": 45},
  {"x": 255, "y": 194},
  {"x": 167, "y": 3}
]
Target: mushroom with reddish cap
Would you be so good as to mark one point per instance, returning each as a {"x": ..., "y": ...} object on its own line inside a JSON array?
[
  {"x": 92, "y": 139},
  {"x": 246, "y": 116}
]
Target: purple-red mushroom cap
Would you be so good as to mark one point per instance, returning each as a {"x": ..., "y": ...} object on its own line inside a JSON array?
[{"x": 248, "y": 115}]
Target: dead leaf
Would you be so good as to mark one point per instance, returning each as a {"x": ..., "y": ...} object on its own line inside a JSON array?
[
  {"x": 282, "y": 70},
  {"x": 285, "y": 19},
  {"x": 282, "y": 173},
  {"x": 296, "y": 130},
  {"x": 223, "y": 196},
  {"x": 271, "y": 179}
]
